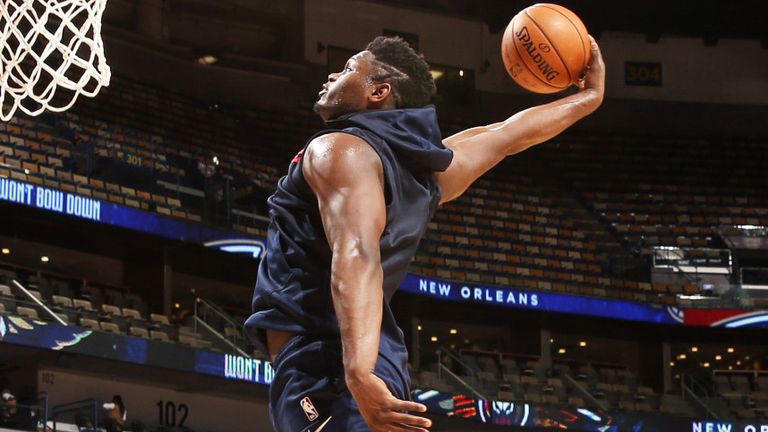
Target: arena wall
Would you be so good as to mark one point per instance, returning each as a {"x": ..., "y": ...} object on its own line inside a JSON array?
[
  {"x": 156, "y": 405},
  {"x": 691, "y": 71}
]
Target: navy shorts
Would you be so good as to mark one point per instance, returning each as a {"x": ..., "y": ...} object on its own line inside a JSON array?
[{"x": 309, "y": 394}]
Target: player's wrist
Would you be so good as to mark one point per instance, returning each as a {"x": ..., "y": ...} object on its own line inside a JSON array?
[
  {"x": 357, "y": 376},
  {"x": 591, "y": 98}
]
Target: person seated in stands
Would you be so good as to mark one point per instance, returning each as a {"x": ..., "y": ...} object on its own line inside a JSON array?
[
  {"x": 7, "y": 407},
  {"x": 116, "y": 414}
]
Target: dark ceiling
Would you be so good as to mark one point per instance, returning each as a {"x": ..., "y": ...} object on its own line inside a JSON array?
[{"x": 712, "y": 20}]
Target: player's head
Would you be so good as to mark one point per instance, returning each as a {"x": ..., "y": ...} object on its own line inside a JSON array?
[{"x": 387, "y": 74}]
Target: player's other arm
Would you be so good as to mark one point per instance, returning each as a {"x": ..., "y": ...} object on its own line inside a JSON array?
[
  {"x": 479, "y": 149},
  {"x": 346, "y": 175}
]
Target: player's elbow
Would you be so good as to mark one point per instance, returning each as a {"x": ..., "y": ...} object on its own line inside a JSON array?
[
  {"x": 354, "y": 257},
  {"x": 450, "y": 194},
  {"x": 354, "y": 250}
]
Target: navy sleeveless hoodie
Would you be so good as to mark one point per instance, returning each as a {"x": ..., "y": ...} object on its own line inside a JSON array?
[{"x": 293, "y": 289}]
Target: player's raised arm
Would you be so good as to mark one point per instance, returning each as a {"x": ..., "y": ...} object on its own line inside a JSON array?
[
  {"x": 477, "y": 150},
  {"x": 346, "y": 175}
]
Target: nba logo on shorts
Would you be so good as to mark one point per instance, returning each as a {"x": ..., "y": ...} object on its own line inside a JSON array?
[{"x": 309, "y": 409}]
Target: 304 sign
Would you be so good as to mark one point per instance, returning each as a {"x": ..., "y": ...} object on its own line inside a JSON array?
[{"x": 642, "y": 74}]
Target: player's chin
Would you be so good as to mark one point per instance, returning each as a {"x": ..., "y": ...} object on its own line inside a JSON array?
[
  {"x": 326, "y": 116},
  {"x": 322, "y": 109},
  {"x": 330, "y": 111}
]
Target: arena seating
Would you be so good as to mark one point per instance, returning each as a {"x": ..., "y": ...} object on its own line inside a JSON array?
[
  {"x": 516, "y": 378},
  {"x": 566, "y": 216},
  {"x": 670, "y": 192},
  {"x": 745, "y": 394},
  {"x": 155, "y": 159},
  {"x": 524, "y": 224},
  {"x": 99, "y": 308},
  {"x": 520, "y": 228},
  {"x": 554, "y": 218}
]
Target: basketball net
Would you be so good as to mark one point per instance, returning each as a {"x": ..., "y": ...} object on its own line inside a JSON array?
[{"x": 50, "y": 52}]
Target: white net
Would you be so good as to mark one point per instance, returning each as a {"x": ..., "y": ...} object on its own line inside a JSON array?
[{"x": 50, "y": 53}]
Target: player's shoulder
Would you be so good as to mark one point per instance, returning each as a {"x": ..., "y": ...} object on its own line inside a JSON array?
[
  {"x": 339, "y": 160},
  {"x": 336, "y": 141},
  {"x": 339, "y": 148}
]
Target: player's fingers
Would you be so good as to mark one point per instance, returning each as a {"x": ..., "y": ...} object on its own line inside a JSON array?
[
  {"x": 410, "y": 420},
  {"x": 597, "y": 55},
  {"x": 406, "y": 428},
  {"x": 593, "y": 44},
  {"x": 401, "y": 405}
]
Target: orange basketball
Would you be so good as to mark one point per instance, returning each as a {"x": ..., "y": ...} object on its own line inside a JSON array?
[{"x": 545, "y": 48}]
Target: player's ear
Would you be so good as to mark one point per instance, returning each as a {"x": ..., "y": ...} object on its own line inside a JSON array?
[{"x": 380, "y": 92}]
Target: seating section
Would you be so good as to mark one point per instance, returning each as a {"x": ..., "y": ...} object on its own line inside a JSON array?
[
  {"x": 521, "y": 379},
  {"x": 669, "y": 192},
  {"x": 579, "y": 214},
  {"x": 517, "y": 227},
  {"x": 104, "y": 309},
  {"x": 745, "y": 394},
  {"x": 140, "y": 147}
]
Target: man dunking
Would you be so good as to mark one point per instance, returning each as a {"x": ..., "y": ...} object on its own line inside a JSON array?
[{"x": 345, "y": 223}]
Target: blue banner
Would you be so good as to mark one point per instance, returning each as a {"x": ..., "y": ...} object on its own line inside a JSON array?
[
  {"x": 234, "y": 367},
  {"x": 541, "y": 301},
  {"x": 70, "y": 204}
]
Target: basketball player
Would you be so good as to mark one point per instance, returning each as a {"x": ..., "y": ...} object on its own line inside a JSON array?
[{"x": 345, "y": 223}]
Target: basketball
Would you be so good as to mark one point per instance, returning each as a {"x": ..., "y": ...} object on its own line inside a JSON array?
[{"x": 545, "y": 48}]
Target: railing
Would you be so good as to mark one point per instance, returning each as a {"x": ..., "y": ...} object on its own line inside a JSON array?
[
  {"x": 443, "y": 370},
  {"x": 752, "y": 237},
  {"x": 250, "y": 216},
  {"x": 218, "y": 338},
  {"x": 471, "y": 371},
  {"x": 232, "y": 340},
  {"x": 18, "y": 416},
  {"x": 730, "y": 296},
  {"x": 693, "y": 260},
  {"x": 215, "y": 309},
  {"x": 91, "y": 404},
  {"x": 584, "y": 392},
  {"x": 702, "y": 394},
  {"x": 690, "y": 263},
  {"x": 42, "y": 400},
  {"x": 36, "y": 301}
]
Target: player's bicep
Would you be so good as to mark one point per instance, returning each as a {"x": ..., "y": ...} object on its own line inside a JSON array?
[
  {"x": 477, "y": 150},
  {"x": 346, "y": 175},
  {"x": 473, "y": 155},
  {"x": 468, "y": 133}
]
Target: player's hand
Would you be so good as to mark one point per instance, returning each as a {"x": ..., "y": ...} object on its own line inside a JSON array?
[
  {"x": 594, "y": 74},
  {"x": 381, "y": 410}
]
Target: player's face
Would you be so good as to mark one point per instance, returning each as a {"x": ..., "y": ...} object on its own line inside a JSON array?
[{"x": 346, "y": 91}]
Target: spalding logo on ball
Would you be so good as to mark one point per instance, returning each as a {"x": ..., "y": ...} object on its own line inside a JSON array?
[{"x": 545, "y": 48}]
